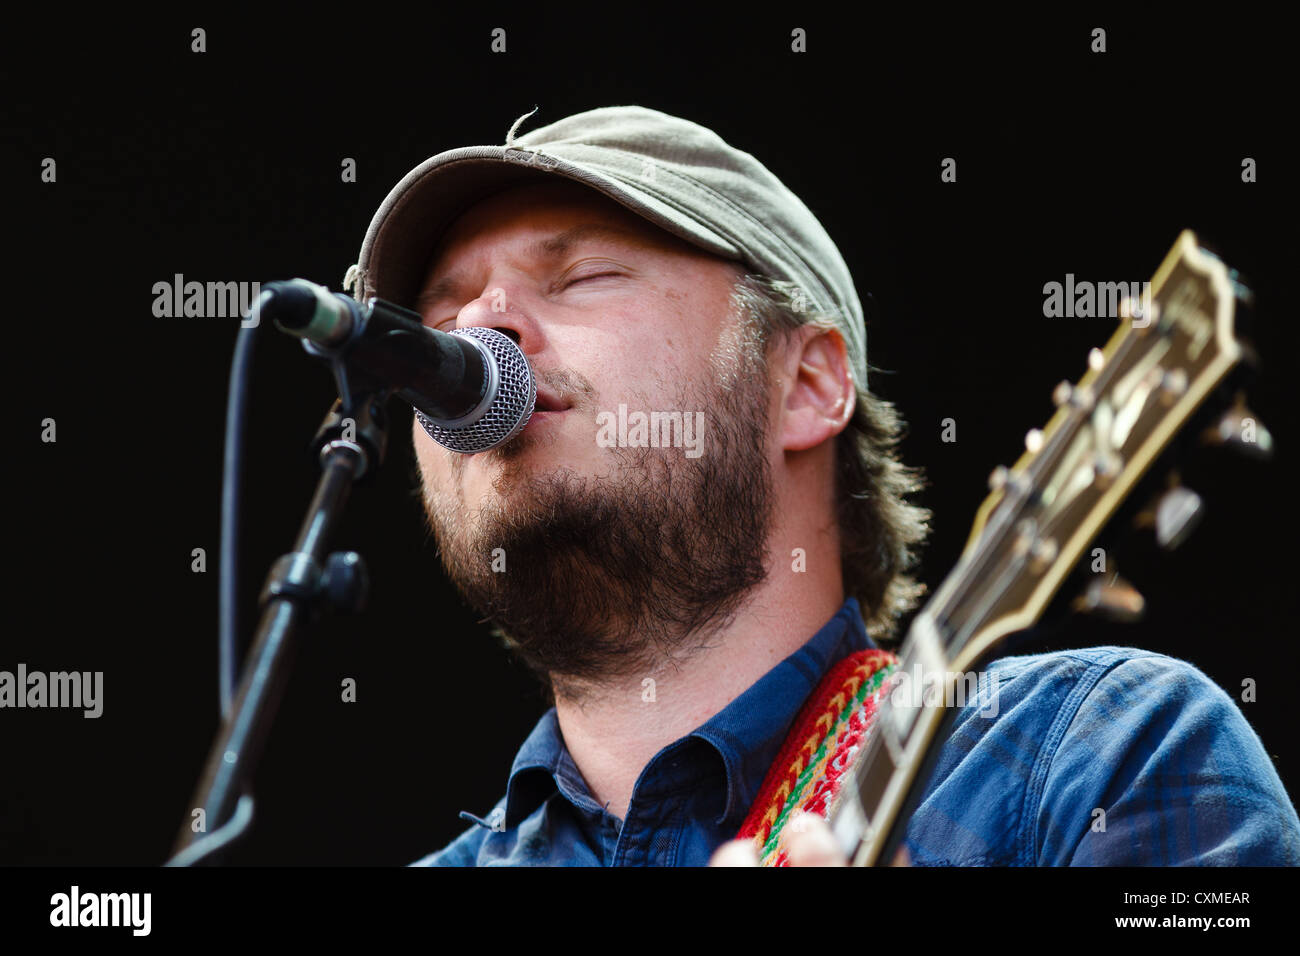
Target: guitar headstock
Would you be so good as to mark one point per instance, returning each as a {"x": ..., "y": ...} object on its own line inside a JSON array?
[{"x": 1166, "y": 358}]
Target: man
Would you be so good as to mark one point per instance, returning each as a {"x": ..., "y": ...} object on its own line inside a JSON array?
[{"x": 687, "y": 537}]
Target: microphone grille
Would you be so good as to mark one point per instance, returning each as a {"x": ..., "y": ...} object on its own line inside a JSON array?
[{"x": 512, "y": 402}]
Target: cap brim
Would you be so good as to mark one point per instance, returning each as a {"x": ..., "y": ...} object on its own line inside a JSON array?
[{"x": 400, "y": 242}]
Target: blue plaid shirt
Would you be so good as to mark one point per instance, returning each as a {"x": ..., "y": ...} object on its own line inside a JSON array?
[{"x": 1148, "y": 739}]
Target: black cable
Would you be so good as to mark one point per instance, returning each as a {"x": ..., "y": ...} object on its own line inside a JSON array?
[{"x": 231, "y": 505}]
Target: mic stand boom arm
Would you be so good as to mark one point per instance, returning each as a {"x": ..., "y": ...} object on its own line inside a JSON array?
[{"x": 350, "y": 444}]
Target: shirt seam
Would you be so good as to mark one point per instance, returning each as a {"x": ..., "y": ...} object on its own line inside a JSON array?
[{"x": 1030, "y": 841}]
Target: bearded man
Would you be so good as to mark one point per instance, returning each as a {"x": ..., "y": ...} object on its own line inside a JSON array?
[{"x": 689, "y": 590}]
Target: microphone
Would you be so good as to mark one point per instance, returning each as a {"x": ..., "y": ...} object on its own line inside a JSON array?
[{"x": 472, "y": 389}]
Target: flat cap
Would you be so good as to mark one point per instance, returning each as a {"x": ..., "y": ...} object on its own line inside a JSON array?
[{"x": 671, "y": 171}]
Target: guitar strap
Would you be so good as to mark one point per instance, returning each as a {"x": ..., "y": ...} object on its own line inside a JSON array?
[{"x": 827, "y": 734}]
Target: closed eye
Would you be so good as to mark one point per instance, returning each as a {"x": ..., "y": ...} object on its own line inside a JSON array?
[
  {"x": 447, "y": 324},
  {"x": 598, "y": 275}
]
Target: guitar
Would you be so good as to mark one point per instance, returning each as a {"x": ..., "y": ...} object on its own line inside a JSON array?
[{"x": 1164, "y": 361}]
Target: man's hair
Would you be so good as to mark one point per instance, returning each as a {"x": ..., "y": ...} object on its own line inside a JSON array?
[{"x": 880, "y": 532}]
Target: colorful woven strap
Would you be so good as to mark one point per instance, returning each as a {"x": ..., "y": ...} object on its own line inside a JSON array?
[{"x": 827, "y": 734}]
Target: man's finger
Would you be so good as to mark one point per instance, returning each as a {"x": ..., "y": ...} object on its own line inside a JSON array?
[
  {"x": 735, "y": 853},
  {"x": 811, "y": 843}
]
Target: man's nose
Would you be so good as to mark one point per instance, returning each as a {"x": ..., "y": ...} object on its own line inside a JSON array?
[{"x": 497, "y": 308}]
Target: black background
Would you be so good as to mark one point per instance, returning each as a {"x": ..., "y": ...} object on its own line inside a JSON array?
[{"x": 225, "y": 166}]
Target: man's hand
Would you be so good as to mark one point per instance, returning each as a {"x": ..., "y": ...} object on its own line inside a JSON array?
[{"x": 810, "y": 844}]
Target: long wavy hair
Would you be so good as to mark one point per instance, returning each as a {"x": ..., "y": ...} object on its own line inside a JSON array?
[{"x": 880, "y": 531}]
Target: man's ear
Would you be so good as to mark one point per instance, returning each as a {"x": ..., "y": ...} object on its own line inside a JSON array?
[{"x": 817, "y": 391}]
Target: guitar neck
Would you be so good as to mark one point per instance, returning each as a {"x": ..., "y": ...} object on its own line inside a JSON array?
[
  {"x": 1162, "y": 363},
  {"x": 877, "y": 795}
]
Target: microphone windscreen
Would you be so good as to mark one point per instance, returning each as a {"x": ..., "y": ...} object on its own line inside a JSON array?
[{"x": 513, "y": 394}]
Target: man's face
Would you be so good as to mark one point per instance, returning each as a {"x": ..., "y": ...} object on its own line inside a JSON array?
[
  {"x": 606, "y": 306},
  {"x": 576, "y": 548}
]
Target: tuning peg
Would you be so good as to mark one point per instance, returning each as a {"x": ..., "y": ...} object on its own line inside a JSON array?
[
  {"x": 1111, "y": 597},
  {"x": 1012, "y": 483},
  {"x": 1076, "y": 396},
  {"x": 1178, "y": 512},
  {"x": 1240, "y": 430},
  {"x": 1173, "y": 515}
]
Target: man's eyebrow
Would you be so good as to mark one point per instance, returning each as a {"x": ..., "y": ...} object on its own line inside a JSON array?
[{"x": 543, "y": 250}]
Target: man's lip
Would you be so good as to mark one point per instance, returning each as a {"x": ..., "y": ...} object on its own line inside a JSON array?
[
  {"x": 541, "y": 416},
  {"x": 546, "y": 402}
]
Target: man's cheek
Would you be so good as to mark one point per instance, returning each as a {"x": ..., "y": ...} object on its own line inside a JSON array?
[{"x": 433, "y": 463}]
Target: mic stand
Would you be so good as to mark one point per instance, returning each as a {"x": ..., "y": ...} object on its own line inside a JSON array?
[{"x": 350, "y": 443}]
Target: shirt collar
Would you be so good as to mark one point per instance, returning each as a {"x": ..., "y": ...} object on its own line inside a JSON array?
[{"x": 747, "y": 733}]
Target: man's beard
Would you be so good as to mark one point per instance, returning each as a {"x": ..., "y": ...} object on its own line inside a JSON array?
[{"x": 609, "y": 579}]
